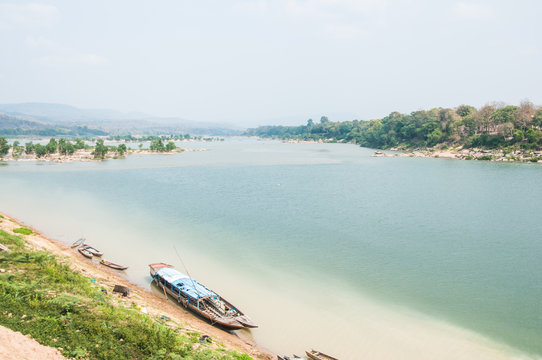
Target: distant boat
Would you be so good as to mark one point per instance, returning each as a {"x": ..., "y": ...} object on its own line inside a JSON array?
[
  {"x": 317, "y": 355},
  {"x": 85, "y": 252},
  {"x": 92, "y": 250},
  {"x": 78, "y": 243},
  {"x": 196, "y": 297},
  {"x": 113, "y": 265}
]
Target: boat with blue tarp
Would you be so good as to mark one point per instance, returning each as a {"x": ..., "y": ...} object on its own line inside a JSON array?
[{"x": 198, "y": 298}]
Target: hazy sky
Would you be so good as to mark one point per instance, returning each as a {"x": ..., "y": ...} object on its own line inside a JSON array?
[{"x": 283, "y": 61}]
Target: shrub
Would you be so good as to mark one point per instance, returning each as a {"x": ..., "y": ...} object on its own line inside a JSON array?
[{"x": 22, "y": 230}]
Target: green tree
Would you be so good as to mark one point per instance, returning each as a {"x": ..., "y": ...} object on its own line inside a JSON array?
[
  {"x": 121, "y": 149},
  {"x": 537, "y": 119},
  {"x": 465, "y": 110},
  {"x": 62, "y": 146},
  {"x": 69, "y": 149},
  {"x": 533, "y": 136},
  {"x": 4, "y": 147},
  {"x": 100, "y": 150},
  {"x": 170, "y": 146},
  {"x": 17, "y": 148},
  {"x": 324, "y": 119},
  {"x": 157, "y": 145},
  {"x": 52, "y": 146},
  {"x": 40, "y": 150},
  {"x": 505, "y": 114},
  {"x": 29, "y": 148},
  {"x": 79, "y": 144},
  {"x": 518, "y": 136}
]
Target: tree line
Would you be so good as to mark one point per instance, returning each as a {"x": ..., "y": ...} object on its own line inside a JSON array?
[
  {"x": 62, "y": 147},
  {"x": 66, "y": 147},
  {"x": 492, "y": 126}
]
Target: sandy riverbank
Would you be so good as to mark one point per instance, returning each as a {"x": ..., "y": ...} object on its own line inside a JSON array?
[{"x": 149, "y": 303}]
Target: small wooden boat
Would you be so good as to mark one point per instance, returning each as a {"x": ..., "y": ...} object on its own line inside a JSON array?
[
  {"x": 113, "y": 265},
  {"x": 198, "y": 298},
  {"x": 78, "y": 243},
  {"x": 85, "y": 252},
  {"x": 317, "y": 355},
  {"x": 92, "y": 250}
]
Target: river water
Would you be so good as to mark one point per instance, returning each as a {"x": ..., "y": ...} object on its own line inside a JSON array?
[{"x": 322, "y": 245}]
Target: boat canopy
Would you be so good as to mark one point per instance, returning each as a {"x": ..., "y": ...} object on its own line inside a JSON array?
[{"x": 186, "y": 284}]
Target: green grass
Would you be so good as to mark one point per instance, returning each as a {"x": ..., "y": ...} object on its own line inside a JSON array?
[
  {"x": 22, "y": 230},
  {"x": 42, "y": 297}
]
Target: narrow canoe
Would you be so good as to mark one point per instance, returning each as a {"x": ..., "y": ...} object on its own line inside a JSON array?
[
  {"x": 78, "y": 243},
  {"x": 85, "y": 253},
  {"x": 317, "y": 355},
  {"x": 113, "y": 265},
  {"x": 92, "y": 250}
]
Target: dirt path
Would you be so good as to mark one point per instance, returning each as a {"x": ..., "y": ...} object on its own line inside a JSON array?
[{"x": 16, "y": 346}]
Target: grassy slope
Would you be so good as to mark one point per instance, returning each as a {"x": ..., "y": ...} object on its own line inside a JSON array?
[{"x": 57, "y": 307}]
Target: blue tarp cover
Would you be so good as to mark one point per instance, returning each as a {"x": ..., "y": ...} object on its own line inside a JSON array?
[{"x": 184, "y": 283}]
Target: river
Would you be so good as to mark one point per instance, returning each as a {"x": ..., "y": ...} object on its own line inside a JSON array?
[{"x": 322, "y": 245}]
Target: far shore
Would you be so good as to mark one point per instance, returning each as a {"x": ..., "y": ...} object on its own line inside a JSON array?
[{"x": 151, "y": 304}]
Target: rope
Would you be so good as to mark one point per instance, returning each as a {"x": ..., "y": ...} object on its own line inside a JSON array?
[{"x": 186, "y": 269}]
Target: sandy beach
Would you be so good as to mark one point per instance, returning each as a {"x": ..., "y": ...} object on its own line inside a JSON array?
[{"x": 151, "y": 304}]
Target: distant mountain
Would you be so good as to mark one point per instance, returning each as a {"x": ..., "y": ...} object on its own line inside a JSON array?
[
  {"x": 65, "y": 113},
  {"x": 111, "y": 121},
  {"x": 23, "y": 126}
]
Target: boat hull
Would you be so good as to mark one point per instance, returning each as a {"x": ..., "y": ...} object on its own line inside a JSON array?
[
  {"x": 316, "y": 355},
  {"x": 113, "y": 265},
  {"x": 229, "y": 324},
  {"x": 85, "y": 253}
]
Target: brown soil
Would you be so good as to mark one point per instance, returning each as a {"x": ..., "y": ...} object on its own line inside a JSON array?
[{"x": 16, "y": 346}]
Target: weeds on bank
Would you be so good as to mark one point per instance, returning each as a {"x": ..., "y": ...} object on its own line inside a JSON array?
[
  {"x": 22, "y": 230},
  {"x": 59, "y": 308}
]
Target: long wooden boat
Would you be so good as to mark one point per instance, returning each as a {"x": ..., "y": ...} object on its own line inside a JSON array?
[
  {"x": 85, "y": 252},
  {"x": 78, "y": 243},
  {"x": 92, "y": 250},
  {"x": 317, "y": 355},
  {"x": 113, "y": 265},
  {"x": 198, "y": 298}
]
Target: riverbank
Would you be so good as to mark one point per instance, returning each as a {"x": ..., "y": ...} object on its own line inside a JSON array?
[
  {"x": 466, "y": 154},
  {"x": 140, "y": 303}
]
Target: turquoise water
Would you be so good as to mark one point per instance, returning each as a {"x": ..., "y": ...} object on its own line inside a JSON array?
[{"x": 452, "y": 240}]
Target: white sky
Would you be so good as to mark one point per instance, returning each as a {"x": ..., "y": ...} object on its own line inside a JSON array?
[{"x": 268, "y": 62}]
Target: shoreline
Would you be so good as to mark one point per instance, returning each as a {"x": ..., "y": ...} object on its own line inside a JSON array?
[
  {"x": 144, "y": 299},
  {"x": 459, "y": 153},
  {"x": 86, "y": 156},
  {"x": 466, "y": 154}
]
